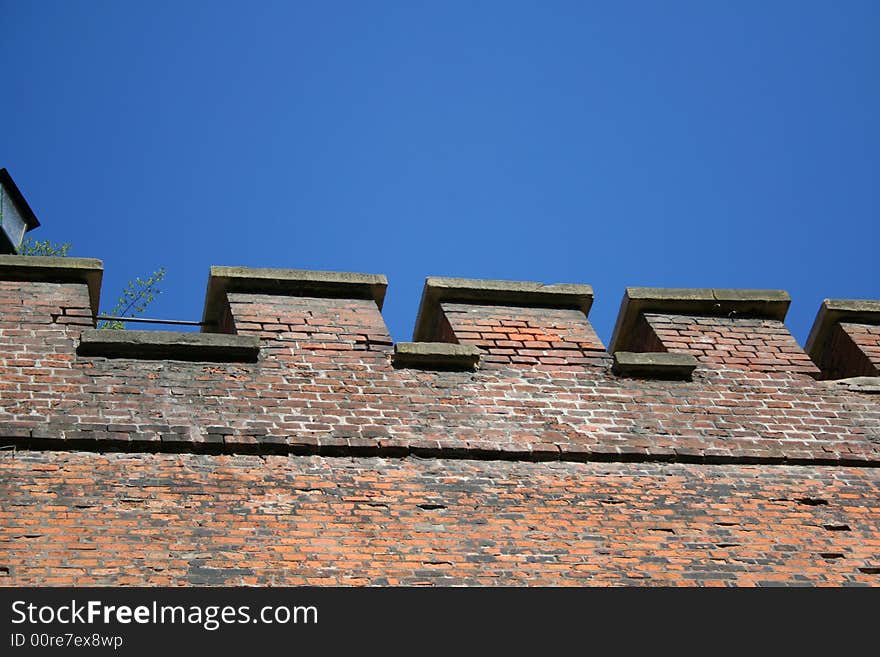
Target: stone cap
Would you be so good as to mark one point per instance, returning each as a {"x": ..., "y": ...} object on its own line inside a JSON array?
[
  {"x": 173, "y": 345},
  {"x": 831, "y": 313},
  {"x": 762, "y": 304},
  {"x": 866, "y": 384},
  {"x": 439, "y": 355},
  {"x": 439, "y": 290},
  {"x": 293, "y": 282},
  {"x": 54, "y": 269},
  {"x": 654, "y": 365}
]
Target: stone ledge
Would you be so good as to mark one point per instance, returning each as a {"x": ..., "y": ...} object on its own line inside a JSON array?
[
  {"x": 171, "y": 345},
  {"x": 866, "y": 384},
  {"x": 761, "y": 304},
  {"x": 654, "y": 365},
  {"x": 438, "y": 290},
  {"x": 436, "y": 355},
  {"x": 52, "y": 269},
  {"x": 293, "y": 282},
  {"x": 833, "y": 312}
]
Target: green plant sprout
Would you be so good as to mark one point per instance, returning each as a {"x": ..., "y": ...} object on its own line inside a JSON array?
[{"x": 136, "y": 296}]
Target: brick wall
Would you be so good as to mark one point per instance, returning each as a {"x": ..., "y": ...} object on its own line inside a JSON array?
[
  {"x": 760, "y": 345},
  {"x": 161, "y": 519},
  {"x": 867, "y": 338},
  {"x": 323, "y": 462},
  {"x": 856, "y": 349},
  {"x": 311, "y": 323},
  {"x": 531, "y": 336}
]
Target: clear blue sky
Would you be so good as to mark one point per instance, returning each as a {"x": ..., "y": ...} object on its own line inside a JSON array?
[{"x": 677, "y": 144}]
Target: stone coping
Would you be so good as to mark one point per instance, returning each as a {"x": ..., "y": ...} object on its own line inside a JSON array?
[
  {"x": 866, "y": 384},
  {"x": 761, "y": 304},
  {"x": 439, "y": 290},
  {"x": 172, "y": 345},
  {"x": 654, "y": 365},
  {"x": 436, "y": 355},
  {"x": 833, "y": 312},
  {"x": 53, "y": 269},
  {"x": 293, "y": 282}
]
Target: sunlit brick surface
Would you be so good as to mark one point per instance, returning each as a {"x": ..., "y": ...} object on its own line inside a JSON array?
[
  {"x": 323, "y": 463},
  {"x": 76, "y": 518},
  {"x": 530, "y": 336},
  {"x": 760, "y": 345}
]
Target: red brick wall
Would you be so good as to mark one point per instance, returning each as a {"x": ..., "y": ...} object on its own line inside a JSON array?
[
  {"x": 309, "y": 465},
  {"x": 867, "y": 337},
  {"x": 311, "y": 323},
  {"x": 92, "y": 519},
  {"x": 759, "y": 345},
  {"x": 528, "y": 336},
  {"x": 858, "y": 348},
  {"x": 38, "y": 325},
  {"x": 852, "y": 351}
]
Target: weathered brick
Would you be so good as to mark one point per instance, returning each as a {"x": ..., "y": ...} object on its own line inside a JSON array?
[{"x": 323, "y": 463}]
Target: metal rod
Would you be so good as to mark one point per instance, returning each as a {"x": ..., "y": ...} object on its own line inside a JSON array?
[{"x": 182, "y": 322}]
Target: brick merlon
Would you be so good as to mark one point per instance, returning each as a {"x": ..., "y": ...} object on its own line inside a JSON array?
[
  {"x": 761, "y": 304},
  {"x": 439, "y": 289},
  {"x": 292, "y": 282},
  {"x": 52, "y": 269},
  {"x": 833, "y": 312}
]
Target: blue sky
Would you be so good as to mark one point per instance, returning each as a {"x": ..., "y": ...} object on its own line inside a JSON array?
[{"x": 674, "y": 144}]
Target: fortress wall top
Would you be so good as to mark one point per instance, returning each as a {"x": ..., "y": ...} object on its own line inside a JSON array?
[{"x": 304, "y": 363}]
